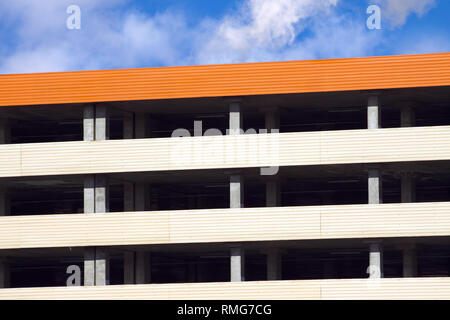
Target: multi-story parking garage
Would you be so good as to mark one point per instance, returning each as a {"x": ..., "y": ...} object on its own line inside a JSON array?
[{"x": 139, "y": 184}]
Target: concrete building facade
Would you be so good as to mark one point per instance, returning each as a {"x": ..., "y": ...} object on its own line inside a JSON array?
[{"x": 308, "y": 179}]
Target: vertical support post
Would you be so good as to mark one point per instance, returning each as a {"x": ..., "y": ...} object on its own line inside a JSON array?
[
  {"x": 407, "y": 116},
  {"x": 376, "y": 260},
  {"x": 236, "y": 191},
  {"x": 409, "y": 261},
  {"x": 128, "y": 125},
  {"x": 237, "y": 266},
  {"x": 142, "y": 197},
  {"x": 235, "y": 119},
  {"x": 373, "y": 113},
  {"x": 89, "y": 123},
  {"x": 129, "y": 267},
  {"x": 101, "y": 122},
  {"x": 273, "y": 193},
  {"x": 141, "y": 126},
  {"x": 374, "y": 187},
  {"x": 273, "y": 264},
  {"x": 408, "y": 192},
  {"x": 128, "y": 196},
  {"x": 143, "y": 267},
  {"x": 4, "y": 274},
  {"x": 5, "y": 208},
  {"x": 96, "y": 196}
]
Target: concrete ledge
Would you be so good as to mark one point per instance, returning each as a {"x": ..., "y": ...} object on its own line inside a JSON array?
[
  {"x": 425, "y": 219},
  {"x": 357, "y": 289}
]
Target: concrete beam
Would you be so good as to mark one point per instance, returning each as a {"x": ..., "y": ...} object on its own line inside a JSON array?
[{"x": 237, "y": 265}]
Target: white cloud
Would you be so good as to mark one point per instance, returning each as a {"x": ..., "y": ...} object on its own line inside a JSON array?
[
  {"x": 113, "y": 35},
  {"x": 397, "y": 11}
]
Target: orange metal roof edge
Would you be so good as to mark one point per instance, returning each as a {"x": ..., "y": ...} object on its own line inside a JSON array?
[{"x": 386, "y": 72}]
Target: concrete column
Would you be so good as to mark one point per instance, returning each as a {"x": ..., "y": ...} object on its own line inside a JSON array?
[
  {"x": 409, "y": 262},
  {"x": 101, "y": 194},
  {"x": 374, "y": 186},
  {"x": 142, "y": 197},
  {"x": 128, "y": 125},
  {"x": 5, "y": 131},
  {"x": 272, "y": 119},
  {"x": 101, "y": 266},
  {"x": 128, "y": 267},
  {"x": 143, "y": 267},
  {"x": 89, "y": 194},
  {"x": 89, "y": 123},
  {"x": 373, "y": 113},
  {"x": 5, "y": 208},
  {"x": 375, "y": 260},
  {"x": 237, "y": 266},
  {"x": 236, "y": 191},
  {"x": 4, "y": 274},
  {"x": 128, "y": 196},
  {"x": 101, "y": 123},
  {"x": 408, "y": 190},
  {"x": 273, "y": 264},
  {"x": 89, "y": 266},
  {"x": 407, "y": 116},
  {"x": 273, "y": 193},
  {"x": 235, "y": 124},
  {"x": 142, "y": 127}
]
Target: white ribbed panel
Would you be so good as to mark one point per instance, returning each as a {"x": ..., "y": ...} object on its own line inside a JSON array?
[
  {"x": 284, "y": 149},
  {"x": 226, "y": 225},
  {"x": 397, "y": 288}
]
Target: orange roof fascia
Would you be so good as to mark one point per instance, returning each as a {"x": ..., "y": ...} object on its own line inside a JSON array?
[{"x": 372, "y": 73}]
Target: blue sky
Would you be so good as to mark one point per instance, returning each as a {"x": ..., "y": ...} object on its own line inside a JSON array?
[{"x": 154, "y": 33}]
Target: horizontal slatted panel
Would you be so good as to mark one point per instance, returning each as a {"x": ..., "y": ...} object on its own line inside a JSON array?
[
  {"x": 252, "y": 150},
  {"x": 227, "y": 80},
  {"x": 403, "y": 288},
  {"x": 226, "y": 225}
]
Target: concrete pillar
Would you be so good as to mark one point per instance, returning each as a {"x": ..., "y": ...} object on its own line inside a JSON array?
[
  {"x": 273, "y": 264},
  {"x": 407, "y": 116},
  {"x": 128, "y": 267},
  {"x": 273, "y": 193},
  {"x": 101, "y": 194},
  {"x": 142, "y": 197},
  {"x": 142, "y": 127},
  {"x": 409, "y": 261},
  {"x": 96, "y": 197},
  {"x": 375, "y": 260},
  {"x": 236, "y": 191},
  {"x": 374, "y": 186},
  {"x": 272, "y": 119},
  {"x": 128, "y": 196},
  {"x": 5, "y": 131},
  {"x": 373, "y": 113},
  {"x": 4, "y": 274},
  {"x": 408, "y": 189},
  {"x": 235, "y": 123},
  {"x": 89, "y": 123},
  {"x": 143, "y": 267},
  {"x": 5, "y": 207},
  {"x": 128, "y": 125},
  {"x": 237, "y": 266},
  {"x": 101, "y": 122}
]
